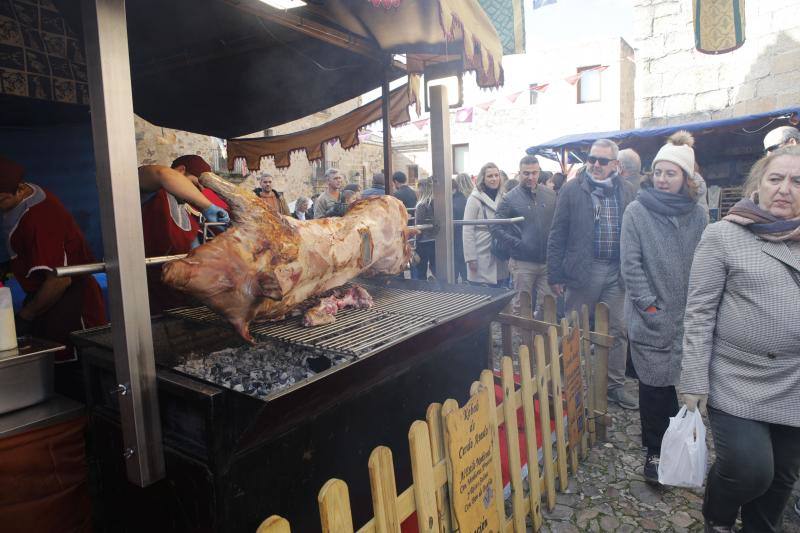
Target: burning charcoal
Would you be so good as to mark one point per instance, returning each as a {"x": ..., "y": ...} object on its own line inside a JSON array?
[{"x": 258, "y": 370}]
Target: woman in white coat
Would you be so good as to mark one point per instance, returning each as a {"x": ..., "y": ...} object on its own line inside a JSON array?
[{"x": 483, "y": 267}]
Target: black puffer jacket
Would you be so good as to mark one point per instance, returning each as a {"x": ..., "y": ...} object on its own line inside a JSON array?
[
  {"x": 570, "y": 247},
  {"x": 526, "y": 241}
]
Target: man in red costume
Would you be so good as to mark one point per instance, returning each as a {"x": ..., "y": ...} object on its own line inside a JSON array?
[
  {"x": 39, "y": 235},
  {"x": 171, "y": 198}
]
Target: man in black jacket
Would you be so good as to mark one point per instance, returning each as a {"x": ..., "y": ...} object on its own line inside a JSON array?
[
  {"x": 402, "y": 191},
  {"x": 583, "y": 251},
  {"x": 527, "y": 242}
]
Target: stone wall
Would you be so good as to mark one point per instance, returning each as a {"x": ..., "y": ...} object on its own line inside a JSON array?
[
  {"x": 161, "y": 146},
  {"x": 675, "y": 83}
]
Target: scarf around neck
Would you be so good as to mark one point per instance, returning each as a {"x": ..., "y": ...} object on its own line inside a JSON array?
[
  {"x": 606, "y": 184},
  {"x": 746, "y": 212},
  {"x": 666, "y": 203}
]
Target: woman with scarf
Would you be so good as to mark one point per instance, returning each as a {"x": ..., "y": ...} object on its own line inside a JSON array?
[
  {"x": 660, "y": 231},
  {"x": 741, "y": 347},
  {"x": 483, "y": 267}
]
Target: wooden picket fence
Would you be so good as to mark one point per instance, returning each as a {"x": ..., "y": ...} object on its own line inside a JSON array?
[{"x": 430, "y": 492}]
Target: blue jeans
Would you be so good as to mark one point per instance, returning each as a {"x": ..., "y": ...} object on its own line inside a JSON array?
[{"x": 756, "y": 467}]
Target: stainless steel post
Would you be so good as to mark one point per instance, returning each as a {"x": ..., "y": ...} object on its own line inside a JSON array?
[
  {"x": 442, "y": 157},
  {"x": 106, "y": 35}
]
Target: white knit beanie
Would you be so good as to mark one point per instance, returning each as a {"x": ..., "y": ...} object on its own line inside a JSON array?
[{"x": 679, "y": 151}]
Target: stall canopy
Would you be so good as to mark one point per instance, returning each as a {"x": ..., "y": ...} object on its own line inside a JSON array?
[
  {"x": 232, "y": 67},
  {"x": 715, "y": 140},
  {"x": 343, "y": 129}
]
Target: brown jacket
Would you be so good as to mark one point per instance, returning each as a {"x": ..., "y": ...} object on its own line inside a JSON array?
[{"x": 276, "y": 201}]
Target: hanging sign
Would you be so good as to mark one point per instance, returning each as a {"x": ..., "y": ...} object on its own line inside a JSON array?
[
  {"x": 573, "y": 386},
  {"x": 471, "y": 445}
]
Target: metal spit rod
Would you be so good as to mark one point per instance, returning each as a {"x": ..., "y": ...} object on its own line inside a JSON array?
[
  {"x": 477, "y": 222},
  {"x": 93, "y": 268}
]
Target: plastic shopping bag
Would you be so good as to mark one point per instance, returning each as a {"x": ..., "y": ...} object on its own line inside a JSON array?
[{"x": 683, "y": 451}]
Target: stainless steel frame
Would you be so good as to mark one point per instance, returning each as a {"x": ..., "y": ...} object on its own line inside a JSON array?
[
  {"x": 106, "y": 35},
  {"x": 442, "y": 157}
]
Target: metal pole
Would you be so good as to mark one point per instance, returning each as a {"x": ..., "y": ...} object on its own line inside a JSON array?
[
  {"x": 442, "y": 156},
  {"x": 106, "y": 35},
  {"x": 387, "y": 134}
]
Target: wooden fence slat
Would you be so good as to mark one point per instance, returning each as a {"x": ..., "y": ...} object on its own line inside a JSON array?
[
  {"x": 433, "y": 416},
  {"x": 512, "y": 441},
  {"x": 487, "y": 380},
  {"x": 549, "y": 309},
  {"x": 473, "y": 389},
  {"x": 274, "y": 524},
  {"x": 586, "y": 353},
  {"x": 384, "y": 490},
  {"x": 573, "y": 450},
  {"x": 534, "y": 479},
  {"x": 334, "y": 507},
  {"x": 575, "y": 319},
  {"x": 505, "y": 336},
  {"x": 601, "y": 372},
  {"x": 448, "y": 407},
  {"x": 525, "y": 311},
  {"x": 544, "y": 422},
  {"x": 558, "y": 406},
  {"x": 422, "y": 473}
]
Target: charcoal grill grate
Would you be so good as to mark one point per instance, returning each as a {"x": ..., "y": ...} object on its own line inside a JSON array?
[{"x": 396, "y": 313}]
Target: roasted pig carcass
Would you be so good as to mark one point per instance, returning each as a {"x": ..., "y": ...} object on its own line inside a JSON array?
[{"x": 265, "y": 265}]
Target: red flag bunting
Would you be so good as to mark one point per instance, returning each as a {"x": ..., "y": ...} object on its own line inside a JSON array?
[
  {"x": 539, "y": 88},
  {"x": 513, "y": 97},
  {"x": 464, "y": 114},
  {"x": 421, "y": 123},
  {"x": 486, "y": 105}
]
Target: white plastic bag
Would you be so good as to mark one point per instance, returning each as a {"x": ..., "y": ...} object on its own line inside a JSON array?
[{"x": 683, "y": 451}]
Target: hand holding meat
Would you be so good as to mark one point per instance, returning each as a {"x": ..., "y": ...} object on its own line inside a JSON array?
[{"x": 266, "y": 264}]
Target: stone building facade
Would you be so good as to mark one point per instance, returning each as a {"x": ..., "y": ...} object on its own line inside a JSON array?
[{"x": 676, "y": 83}]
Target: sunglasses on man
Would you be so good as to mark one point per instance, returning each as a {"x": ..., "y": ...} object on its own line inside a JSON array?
[
  {"x": 602, "y": 160},
  {"x": 770, "y": 149}
]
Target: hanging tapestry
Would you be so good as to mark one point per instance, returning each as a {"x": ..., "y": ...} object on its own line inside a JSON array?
[
  {"x": 718, "y": 25},
  {"x": 508, "y": 18},
  {"x": 40, "y": 56}
]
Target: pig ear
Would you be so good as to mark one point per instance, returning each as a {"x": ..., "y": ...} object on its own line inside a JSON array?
[{"x": 245, "y": 206}]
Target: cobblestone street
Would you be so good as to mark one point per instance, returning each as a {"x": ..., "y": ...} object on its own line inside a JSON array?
[{"x": 610, "y": 493}]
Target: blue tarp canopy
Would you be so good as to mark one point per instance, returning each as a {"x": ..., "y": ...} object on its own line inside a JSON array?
[{"x": 737, "y": 138}]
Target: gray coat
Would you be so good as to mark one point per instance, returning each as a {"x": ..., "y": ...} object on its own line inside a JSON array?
[
  {"x": 656, "y": 256},
  {"x": 741, "y": 344},
  {"x": 478, "y": 240}
]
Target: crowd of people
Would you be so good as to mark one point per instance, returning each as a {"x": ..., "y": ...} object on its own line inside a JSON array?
[{"x": 705, "y": 316}]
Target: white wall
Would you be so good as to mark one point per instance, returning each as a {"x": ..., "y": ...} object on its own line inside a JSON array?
[{"x": 502, "y": 133}]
